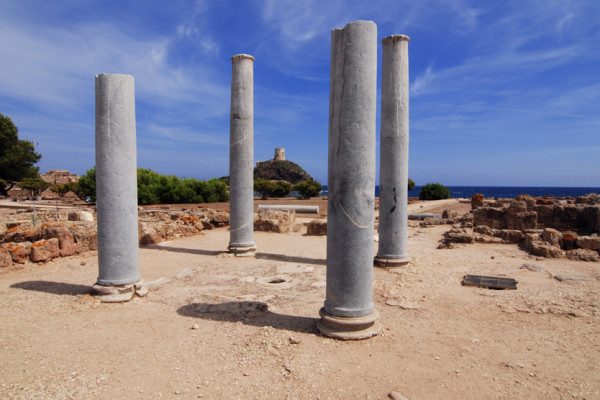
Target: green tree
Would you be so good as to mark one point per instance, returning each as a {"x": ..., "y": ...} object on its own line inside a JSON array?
[
  {"x": 309, "y": 188},
  {"x": 35, "y": 185},
  {"x": 268, "y": 188},
  {"x": 17, "y": 157},
  {"x": 434, "y": 191},
  {"x": 63, "y": 189},
  {"x": 87, "y": 185},
  {"x": 411, "y": 184}
]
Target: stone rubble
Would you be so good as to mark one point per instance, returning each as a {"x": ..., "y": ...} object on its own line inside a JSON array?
[{"x": 547, "y": 227}]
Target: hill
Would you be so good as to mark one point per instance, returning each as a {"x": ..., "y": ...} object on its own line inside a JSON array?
[{"x": 281, "y": 170}]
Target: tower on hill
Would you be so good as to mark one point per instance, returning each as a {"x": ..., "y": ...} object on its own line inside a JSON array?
[{"x": 279, "y": 154}]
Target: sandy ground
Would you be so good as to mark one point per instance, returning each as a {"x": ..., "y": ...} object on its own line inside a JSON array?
[{"x": 244, "y": 328}]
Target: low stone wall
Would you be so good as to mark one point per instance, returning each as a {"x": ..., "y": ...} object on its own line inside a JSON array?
[
  {"x": 67, "y": 232},
  {"x": 547, "y": 227}
]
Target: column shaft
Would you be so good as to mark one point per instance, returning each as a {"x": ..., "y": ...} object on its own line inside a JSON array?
[
  {"x": 116, "y": 180},
  {"x": 393, "y": 178},
  {"x": 241, "y": 155},
  {"x": 351, "y": 183}
]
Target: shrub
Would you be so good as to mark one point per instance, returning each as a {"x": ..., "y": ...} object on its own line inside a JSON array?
[
  {"x": 434, "y": 191},
  {"x": 154, "y": 188},
  {"x": 411, "y": 184},
  {"x": 268, "y": 188},
  {"x": 309, "y": 188}
]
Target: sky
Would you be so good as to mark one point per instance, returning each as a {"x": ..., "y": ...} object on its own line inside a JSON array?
[{"x": 502, "y": 93}]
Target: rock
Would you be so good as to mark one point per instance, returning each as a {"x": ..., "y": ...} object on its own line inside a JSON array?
[
  {"x": 532, "y": 267},
  {"x": 588, "y": 242},
  {"x": 449, "y": 214},
  {"x": 184, "y": 273},
  {"x": 477, "y": 201},
  {"x": 568, "y": 240},
  {"x": 398, "y": 395},
  {"x": 423, "y": 216},
  {"x": 279, "y": 221},
  {"x": 551, "y": 236},
  {"x": 66, "y": 240},
  {"x": 573, "y": 278},
  {"x": 459, "y": 236},
  {"x": 5, "y": 258},
  {"x": 19, "y": 252},
  {"x": 44, "y": 250},
  {"x": 583, "y": 255},
  {"x": 489, "y": 216},
  {"x": 81, "y": 215},
  {"x": 317, "y": 227},
  {"x": 195, "y": 326},
  {"x": 157, "y": 283}
]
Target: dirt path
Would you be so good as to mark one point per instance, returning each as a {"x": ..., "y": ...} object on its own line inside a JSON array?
[{"x": 227, "y": 327}]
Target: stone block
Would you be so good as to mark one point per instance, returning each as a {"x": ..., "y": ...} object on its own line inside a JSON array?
[
  {"x": 583, "y": 255},
  {"x": 568, "y": 240},
  {"x": 317, "y": 227},
  {"x": 477, "y": 201},
  {"x": 65, "y": 238},
  {"x": 5, "y": 258},
  {"x": 44, "y": 250},
  {"x": 85, "y": 235},
  {"x": 552, "y": 236},
  {"x": 588, "y": 242},
  {"x": 279, "y": 221},
  {"x": 19, "y": 252},
  {"x": 489, "y": 216},
  {"x": 524, "y": 221}
]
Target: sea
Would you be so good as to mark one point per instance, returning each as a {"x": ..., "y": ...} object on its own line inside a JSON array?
[{"x": 503, "y": 192}]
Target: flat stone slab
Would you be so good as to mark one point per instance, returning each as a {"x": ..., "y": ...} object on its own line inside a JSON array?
[
  {"x": 490, "y": 282},
  {"x": 423, "y": 216}
]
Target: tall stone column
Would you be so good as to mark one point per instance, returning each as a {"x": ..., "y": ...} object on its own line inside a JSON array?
[
  {"x": 393, "y": 177},
  {"x": 116, "y": 188},
  {"x": 348, "y": 312},
  {"x": 241, "y": 156}
]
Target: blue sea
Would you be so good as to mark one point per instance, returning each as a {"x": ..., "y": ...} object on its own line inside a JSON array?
[{"x": 502, "y": 192}]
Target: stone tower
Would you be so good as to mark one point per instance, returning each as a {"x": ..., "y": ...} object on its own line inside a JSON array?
[{"x": 279, "y": 154}]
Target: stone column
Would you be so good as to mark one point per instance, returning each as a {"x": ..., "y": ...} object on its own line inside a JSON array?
[
  {"x": 116, "y": 188},
  {"x": 241, "y": 156},
  {"x": 393, "y": 177},
  {"x": 348, "y": 312}
]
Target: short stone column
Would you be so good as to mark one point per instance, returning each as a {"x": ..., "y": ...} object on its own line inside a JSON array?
[
  {"x": 241, "y": 156},
  {"x": 348, "y": 312},
  {"x": 116, "y": 189},
  {"x": 393, "y": 177}
]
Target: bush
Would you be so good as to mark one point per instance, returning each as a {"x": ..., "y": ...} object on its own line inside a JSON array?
[
  {"x": 434, "y": 191},
  {"x": 154, "y": 188},
  {"x": 268, "y": 188},
  {"x": 411, "y": 184},
  {"x": 308, "y": 188}
]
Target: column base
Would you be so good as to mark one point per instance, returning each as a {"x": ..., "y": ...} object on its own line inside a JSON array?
[
  {"x": 391, "y": 262},
  {"x": 242, "y": 251},
  {"x": 119, "y": 293},
  {"x": 349, "y": 328}
]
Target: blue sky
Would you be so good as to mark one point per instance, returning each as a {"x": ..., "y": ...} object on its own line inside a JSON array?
[{"x": 502, "y": 92}]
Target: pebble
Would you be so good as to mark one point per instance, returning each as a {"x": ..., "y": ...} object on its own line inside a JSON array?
[
  {"x": 184, "y": 273},
  {"x": 396, "y": 396},
  {"x": 195, "y": 326}
]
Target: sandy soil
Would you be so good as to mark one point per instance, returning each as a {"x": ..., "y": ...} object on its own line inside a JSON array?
[{"x": 244, "y": 328}]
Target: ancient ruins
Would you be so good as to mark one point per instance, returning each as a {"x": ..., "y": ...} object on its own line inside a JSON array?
[
  {"x": 241, "y": 156},
  {"x": 348, "y": 312},
  {"x": 393, "y": 180},
  {"x": 546, "y": 227},
  {"x": 116, "y": 188}
]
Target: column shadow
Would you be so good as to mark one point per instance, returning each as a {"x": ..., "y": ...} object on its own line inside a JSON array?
[
  {"x": 294, "y": 259},
  {"x": 183, "y": 250},
  {"x": 259, "y": 255},
  {"x": 253, "y": 313},
  {"x": 60, "y": 288}
]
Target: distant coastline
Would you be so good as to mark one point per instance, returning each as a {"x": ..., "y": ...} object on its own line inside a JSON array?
[{"x": 503, "y": 191}]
